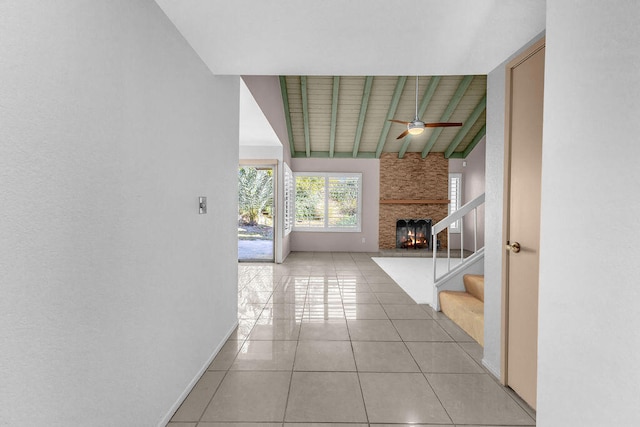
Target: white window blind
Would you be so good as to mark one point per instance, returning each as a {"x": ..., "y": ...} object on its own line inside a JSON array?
[
  {"x": 455, "y": 198},
  {"x": 328, "y": 201},
  {"x": 288, "y": 199}
]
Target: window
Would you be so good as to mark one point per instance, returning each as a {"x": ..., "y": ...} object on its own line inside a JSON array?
[
  {"x": 328, "y": 201},
  {"x": 288, "y": 199},
  {"x": 455, "y": 197}
]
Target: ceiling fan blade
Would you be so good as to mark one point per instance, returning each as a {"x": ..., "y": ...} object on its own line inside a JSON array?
[
  {"x": 403, "y": 134},
  {"x": 441, "y": 125},
  {"x": 399, "y": 121}
]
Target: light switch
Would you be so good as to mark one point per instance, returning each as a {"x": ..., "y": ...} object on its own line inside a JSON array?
[{"x": 202, "y": 203}]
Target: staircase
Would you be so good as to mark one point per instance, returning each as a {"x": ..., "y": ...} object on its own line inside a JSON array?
[{"x": 466, "y": 308}]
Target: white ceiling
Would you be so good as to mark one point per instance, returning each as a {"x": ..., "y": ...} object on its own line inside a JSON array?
[{"x": 355, "y": 37}]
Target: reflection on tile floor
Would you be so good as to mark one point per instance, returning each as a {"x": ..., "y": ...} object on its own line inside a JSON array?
[{"x": 330, "y": 338}]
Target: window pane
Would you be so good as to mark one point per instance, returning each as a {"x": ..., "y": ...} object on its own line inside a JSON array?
[
  {"x": 455, "y": 186},
  {"x": 310, "y": 201},
  {"x": 327, "y": 202},
  {"x": 288, "y": 199},
  {"x": 343, "y": 201}
]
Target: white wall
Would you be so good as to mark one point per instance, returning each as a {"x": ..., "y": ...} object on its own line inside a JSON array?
[
  {"x": 258, "y": 141},
  {"x": 255, "y": 129},
  {"x": 344, "y": 242},
  {"x": 589, "y": 295},
  {"x": 473, "y": 176},
  {"x": 115, "y": 292},
  {"x": 474, "y": 183},
  {"x": 266, "y": 91},
  {"x": 252, "y": 152},
  {"x": 494, "y": 202}
]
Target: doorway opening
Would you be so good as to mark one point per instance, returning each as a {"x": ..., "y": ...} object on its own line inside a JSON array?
[{"x": 256, "y": 213}]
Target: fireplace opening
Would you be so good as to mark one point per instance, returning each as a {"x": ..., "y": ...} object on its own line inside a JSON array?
[{"x": 413, "y": 233}]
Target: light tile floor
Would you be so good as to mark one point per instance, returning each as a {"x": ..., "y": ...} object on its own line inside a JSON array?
[{"x": 330, "y": 339}]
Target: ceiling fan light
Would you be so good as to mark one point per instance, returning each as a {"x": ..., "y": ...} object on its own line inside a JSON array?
[{"x": 415, "y": 128}]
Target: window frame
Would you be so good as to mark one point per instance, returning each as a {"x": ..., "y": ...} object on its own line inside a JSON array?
[
  {"x": 456, "y": 226},
  {"x": 357, "y": 228},
  {"x": 289, "y": 195}
]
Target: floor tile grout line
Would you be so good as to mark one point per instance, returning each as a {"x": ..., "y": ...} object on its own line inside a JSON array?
[
  {"x": 516, "y": 400},
  {"x": 240, "y": 346},
  {"x": 341, "y": 288},
  {"x": 437, "y": 397},
  {"x": 353, "y": 354},
  {"x": 422, "y": 373},
  {"x": 216, "y": 390},
  {"x": 293, "y": 365}
]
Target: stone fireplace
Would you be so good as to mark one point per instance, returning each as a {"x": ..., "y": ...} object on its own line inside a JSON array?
[{"x": 412, "y": 187}]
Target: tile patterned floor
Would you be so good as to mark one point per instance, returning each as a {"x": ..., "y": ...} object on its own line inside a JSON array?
[{"x": 330, "y": 339}]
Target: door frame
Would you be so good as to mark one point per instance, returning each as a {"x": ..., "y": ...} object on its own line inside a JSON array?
[
  {"x": 270, "y": 163},
  {"x": 504, "y": 356}
]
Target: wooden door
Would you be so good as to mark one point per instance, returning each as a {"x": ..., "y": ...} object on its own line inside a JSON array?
[{"x": 526, "y": 78}]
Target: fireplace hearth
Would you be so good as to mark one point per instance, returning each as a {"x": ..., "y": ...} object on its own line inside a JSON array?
[{"x": 413, "y": 233}]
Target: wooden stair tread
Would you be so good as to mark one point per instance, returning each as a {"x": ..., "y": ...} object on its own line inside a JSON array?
[
  {"x": 474, "y": 284},
  {"x": 465, "y": 299},
  {"x": 466, "y": 311}
]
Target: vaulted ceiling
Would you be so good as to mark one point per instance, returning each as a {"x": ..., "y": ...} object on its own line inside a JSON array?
[
  {"x": 348, "y": 116},
  {"x": 293, "y": 38}
]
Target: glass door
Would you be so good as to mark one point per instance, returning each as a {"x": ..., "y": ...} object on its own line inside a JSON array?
[{"x": 256, "y": 213}]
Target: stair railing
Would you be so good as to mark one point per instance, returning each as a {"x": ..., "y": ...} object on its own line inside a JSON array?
[{"x": 460, "y": 214}]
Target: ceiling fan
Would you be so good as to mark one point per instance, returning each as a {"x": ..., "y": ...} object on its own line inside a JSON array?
[{"x": 417, "y": 126}]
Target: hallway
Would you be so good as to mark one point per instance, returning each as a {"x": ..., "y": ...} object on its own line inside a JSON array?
[{"x": 330, "y": 338}]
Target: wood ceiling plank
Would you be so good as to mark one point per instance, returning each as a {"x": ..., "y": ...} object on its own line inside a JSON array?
[
  {"x": 334, "y": 115},
  {"x": 424, "y": 103},
  {"x": 482, "y": 105},
  {"x": 305, "y": 114},
  {"x": 462, "y": 87},
  {"x": 463, "y": 154},
  {"x": 363, "y": 112},
  {"x": 337, "y": 155},
  {"x": 474, "y": 142},
  {"x": 428, "y": 94},
  {"x": 393, "y": 106},
  {"x": 319, "y": 96},
  {"x": 350, "y": 98},
  {"x": 287, "y": 114}
]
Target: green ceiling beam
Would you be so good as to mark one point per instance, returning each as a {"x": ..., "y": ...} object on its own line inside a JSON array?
[
  {"x": 428, "y": 94},
  {"x": 337, "y": 155},
  {"x": 305, "y": 114},
  {"x": 363, "y": 112},
  {"x": 287, "y": 114},
  {"x": 464, "y": 154},
  {"x": 426, "y": 99},
  {"x": 464, "y": 130},
  {"x": 334, "y": 114},
  {"x": 457, "y": 155},
  {"x": 462, "y": 88},
  {"x": 393, "y": 106},
  {"x": 481, "y": 133}
]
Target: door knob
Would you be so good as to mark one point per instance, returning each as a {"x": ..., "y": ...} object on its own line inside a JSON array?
[{"x": 513, "y": 247}]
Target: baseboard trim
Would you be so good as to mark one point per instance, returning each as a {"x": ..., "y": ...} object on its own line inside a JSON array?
[
  {"x": 495, "y": 372},
  {"x": 165, "y": 420}
]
